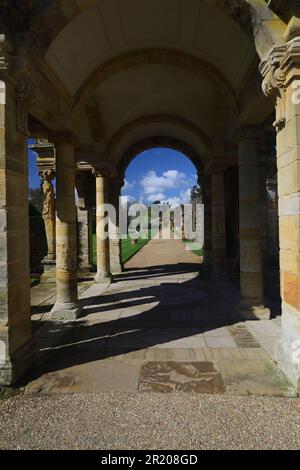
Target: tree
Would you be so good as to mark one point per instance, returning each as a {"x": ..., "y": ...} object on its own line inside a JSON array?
[
  {"x": 196, "y": 195},
  {"x": 196, "y": 198},
  {"x": 36, "y": 198}
]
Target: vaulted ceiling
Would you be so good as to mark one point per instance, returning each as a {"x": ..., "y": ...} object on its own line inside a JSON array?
[{"x": 136, "y": 69}]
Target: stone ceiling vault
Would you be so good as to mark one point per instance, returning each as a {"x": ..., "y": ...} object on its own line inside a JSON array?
[{"x": 129, "y": 68}]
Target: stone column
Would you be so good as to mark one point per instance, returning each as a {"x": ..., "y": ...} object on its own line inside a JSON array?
[
  {"x": 263, "y": 211},
  {"x": 84, "y": 221},
  {"x": 103, "y": 262},
  {"x": 273, "y": 226},
  {"x": 114, "y": 244},
  {"x": 281, "y": 71},
  {"x": 66, "y": 306},
  {"x": 218, "y": 219},
  {"x": 251, "y": 264},
  {"x": 84, "y": 182},
  {"x": 207, "y": 251},
  {"x": 49, "y": 212},
  {"x": 16, "y": 345}
]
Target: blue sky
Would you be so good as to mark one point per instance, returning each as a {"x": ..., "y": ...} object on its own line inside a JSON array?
[
  {"x": 160, "y": 174},
  {"x": 34, "y": 179},
  {"x": 157, "y": 174}
]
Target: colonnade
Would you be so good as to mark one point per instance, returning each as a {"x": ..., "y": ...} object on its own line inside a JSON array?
[
  {"x": 107, "y": 190},
  {"x": 16, "y": 346}
]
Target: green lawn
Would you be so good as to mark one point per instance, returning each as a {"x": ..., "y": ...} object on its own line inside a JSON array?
[
  {"x": 193, "y": 247},
  {"x": 127, "y": 249}
]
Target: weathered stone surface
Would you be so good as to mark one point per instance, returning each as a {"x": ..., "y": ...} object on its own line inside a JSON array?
[
  {"x": 255, "y": 377},
  {"x": 66, "y": 236},
  {"x": 103, "y": 262},
  {"x": 198, "y": 377},
  {"x": 15, "y": 328}
]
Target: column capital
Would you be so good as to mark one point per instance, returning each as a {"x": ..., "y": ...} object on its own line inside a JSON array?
[
  {"x": 47, "y": 175},
  {"x": 20, "y": 82},
  {"x": 279, "y": 70},
  {"x": 101, "y": 172},
  {"x": 20, "y": 87},
  {"x": 5, "y": 55},
  {"x": 104, "y": 169},
  {"x": 45, "y": 154}
]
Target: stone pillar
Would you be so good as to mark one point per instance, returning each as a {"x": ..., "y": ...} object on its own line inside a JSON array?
[
  {"x": 66, "y": 306},
  {"x": 16, "y": 346},
  {"x": 218, "y": 219},
  {"x": 263, "y": 212},
  {"x": 103, "y": 263},
  {"x": 251, "y": 265},
  {"x": 84, "y": 222},
  {"x": 49, "y": 212},
  {"x": 281, "y": 72},
  {"x": 207, "y": 252},
  {"x": 114, "y": 244},
  {"x": 85, "y": 183},
  {"x": 273, "y": 226}
]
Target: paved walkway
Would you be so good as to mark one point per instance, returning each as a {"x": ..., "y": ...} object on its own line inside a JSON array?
[{"x": 159, "y": 327}]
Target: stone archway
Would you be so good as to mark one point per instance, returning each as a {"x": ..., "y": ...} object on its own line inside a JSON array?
[{"x": 158, "y": 70}]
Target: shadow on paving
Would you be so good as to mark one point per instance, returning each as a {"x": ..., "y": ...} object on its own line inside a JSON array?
[{"x": 181, "y": 310}]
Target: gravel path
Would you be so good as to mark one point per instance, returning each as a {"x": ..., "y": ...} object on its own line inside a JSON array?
[{"x": 149, "y": 421}]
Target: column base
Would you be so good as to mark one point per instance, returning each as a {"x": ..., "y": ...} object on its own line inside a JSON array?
[
  {"x": 253, "y": 312},
  {"x": 18, "y": 364},
  {"x": 102, "y": 278},
  {"x": 84, "y": 273},
  {"x": 116, "y": 269},
  {"x": 49, "y": 274},
  {"x": 65, "y": 311}
]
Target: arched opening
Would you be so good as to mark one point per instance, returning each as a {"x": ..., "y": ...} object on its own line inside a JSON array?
[
  {"x": 165, "y": 180},
  {"x": 153, "y": 75}
]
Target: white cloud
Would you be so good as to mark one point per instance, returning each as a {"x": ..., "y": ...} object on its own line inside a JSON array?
[
  {"x": 155, "y": 197},
  {"x": 127, "y": 187},
  {"x": 127, "y": 200},
  {"x": 186, "y": 196},
  {"x": 154, "y": 187},
  {"x": 183, "y": 198},
  {"x": 171, "y": 179}
]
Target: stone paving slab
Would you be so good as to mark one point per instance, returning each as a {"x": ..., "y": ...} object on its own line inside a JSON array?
[
  {"x": 145, "y": 320},
  {"x": 198, "y": 377},
  {"x": 254, "y": 377}
]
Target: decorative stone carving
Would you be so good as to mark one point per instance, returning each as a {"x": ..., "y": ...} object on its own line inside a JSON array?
[
  {"x": 66, "y": 258},
  {"x": 273, "y": 87},
  {"x": 24, "y": 91},
  {"x": 278, "y": 71},
  {"x": 49, "y": 211},
  {"x": 49, "y": 201},
  {"x": 5, "y": 50}
]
